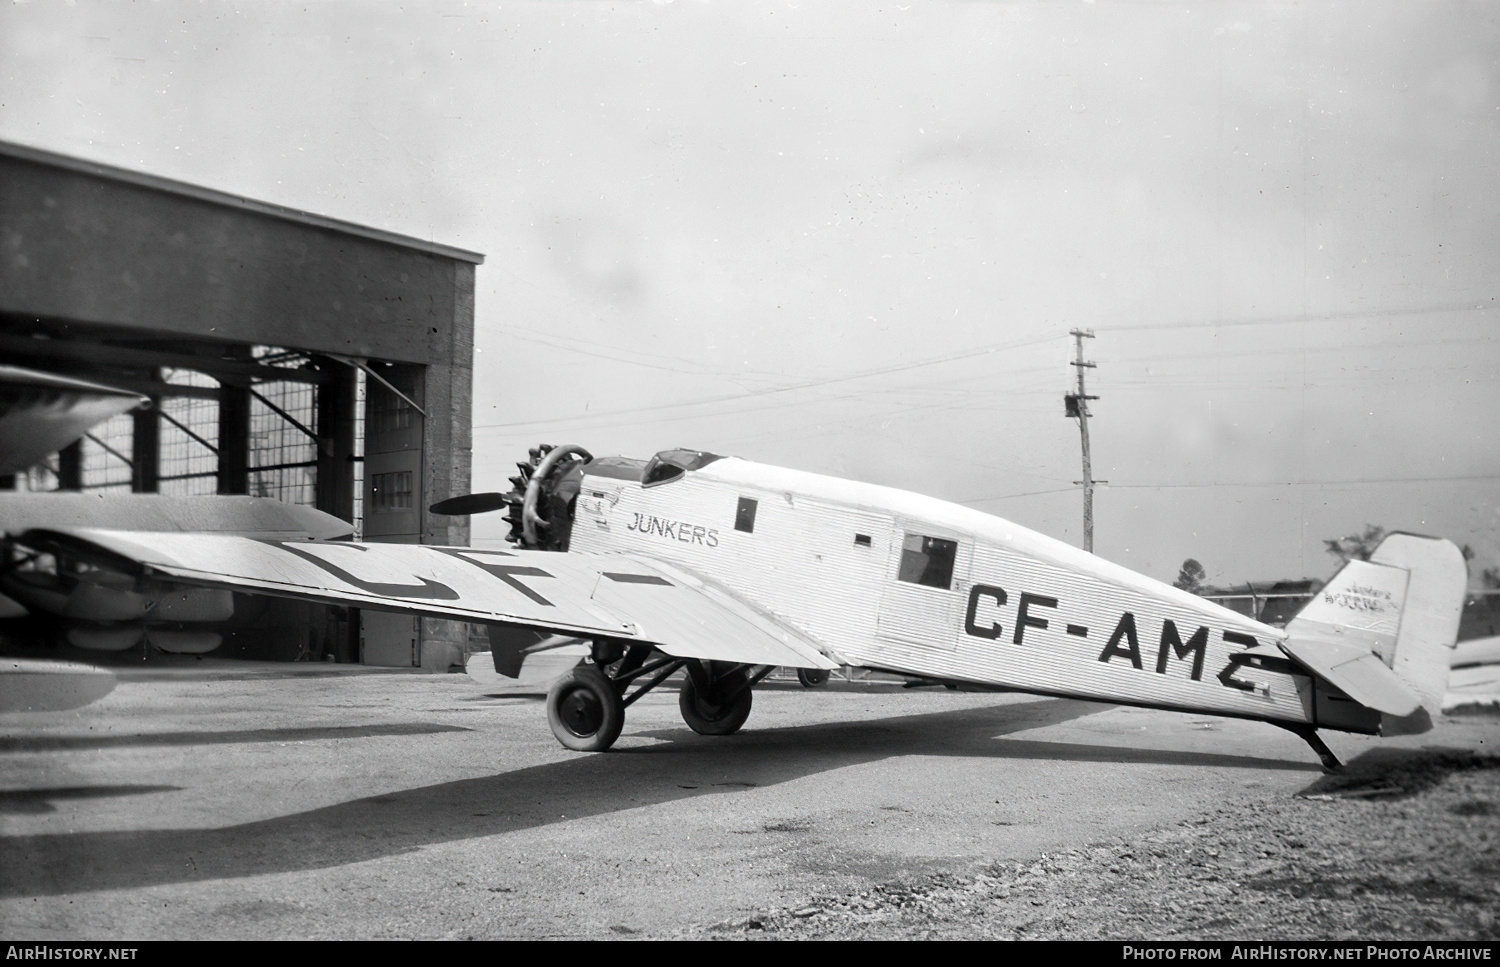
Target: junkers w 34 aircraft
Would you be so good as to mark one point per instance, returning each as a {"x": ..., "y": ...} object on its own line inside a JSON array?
[{"x": 726, "y": 568}]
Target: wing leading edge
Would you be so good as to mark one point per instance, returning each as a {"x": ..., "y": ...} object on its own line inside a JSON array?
[{"x": 618, "y": 596}]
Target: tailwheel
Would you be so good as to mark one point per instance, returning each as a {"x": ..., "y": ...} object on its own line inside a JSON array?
[
  {"x": 716, "y": 706},
  {"x": 585, "y": 710}
]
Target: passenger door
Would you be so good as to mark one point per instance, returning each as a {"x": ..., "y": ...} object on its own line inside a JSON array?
[{"x": 926, "y": 579}]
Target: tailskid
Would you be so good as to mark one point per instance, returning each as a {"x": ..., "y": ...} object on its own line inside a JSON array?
[{"x": 1309, "y": 734}]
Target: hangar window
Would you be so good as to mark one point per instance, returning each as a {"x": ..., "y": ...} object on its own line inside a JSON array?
[
  {"x": 359, "y": 455},
  {"x": 189, "y": 443},
  {"x": 927, "y": 560},
  {"x": 862, "y": 540},
  {"x": 389, "y": 412},
  {"x": 283, "y": 441},
  {"x": 105, "y": 450},
  {"x": 391, "y": 491}
]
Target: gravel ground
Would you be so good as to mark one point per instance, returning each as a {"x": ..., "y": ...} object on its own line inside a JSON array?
[{"x": 1401, "y": 845}]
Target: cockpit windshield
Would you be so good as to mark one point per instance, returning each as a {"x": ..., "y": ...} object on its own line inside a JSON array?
[{"x": 668, "y": 465}]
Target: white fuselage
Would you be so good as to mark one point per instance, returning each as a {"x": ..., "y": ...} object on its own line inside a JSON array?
[{"x": 845, "y": 563}]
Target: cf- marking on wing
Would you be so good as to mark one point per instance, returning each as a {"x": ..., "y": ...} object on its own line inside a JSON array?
[
  {"x": 473, "y": 584},
  {"x": 618, "y": 596}
]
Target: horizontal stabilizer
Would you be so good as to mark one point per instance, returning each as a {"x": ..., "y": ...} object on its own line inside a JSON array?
[{"x": 1357, "y": 672}]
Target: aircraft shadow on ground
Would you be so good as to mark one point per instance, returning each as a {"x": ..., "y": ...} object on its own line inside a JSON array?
[
  {"x": 1397, "y": 773},
  {"x": 577, "y": 787},
  {"x": 75, "y": 743},
  {"x": 16, "y": 801}
]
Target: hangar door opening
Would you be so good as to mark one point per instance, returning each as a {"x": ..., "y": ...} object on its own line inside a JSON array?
[{"x": 392, "y": 499}]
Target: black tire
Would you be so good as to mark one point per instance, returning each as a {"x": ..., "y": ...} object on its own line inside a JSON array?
[
  {"x": 812, "y": 677},
  {"x": 585, "y": 711},
  {"x": 707, "y": 718}
]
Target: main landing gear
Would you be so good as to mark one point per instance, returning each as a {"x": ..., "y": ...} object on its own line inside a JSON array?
[
  {"x": 586, "y": 707},
  {"x": 812, "y": 677}
]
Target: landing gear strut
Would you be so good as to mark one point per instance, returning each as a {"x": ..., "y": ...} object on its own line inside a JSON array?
[{"x": 586, "y": 707}]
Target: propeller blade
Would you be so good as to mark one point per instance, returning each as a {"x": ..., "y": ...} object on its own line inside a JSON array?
[{"x": 469, "y": 504}]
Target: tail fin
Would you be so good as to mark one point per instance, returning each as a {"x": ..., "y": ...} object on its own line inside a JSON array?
[{"x": 1383, "y": 630}]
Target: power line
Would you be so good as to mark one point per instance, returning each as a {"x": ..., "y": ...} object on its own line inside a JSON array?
[
  {"x": 1153, "y": 359},
  {"x": 967, "y": 354},
  {"x": 1295, "y": 483},
  {"x": 685, "y": 367},
  {"x": 1292, "y": 320},
  {"x": 1307, "y": 483},
  {"x": 1028, "y": 493}
]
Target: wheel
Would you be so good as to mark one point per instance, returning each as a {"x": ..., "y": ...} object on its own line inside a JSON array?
[
  {"x": 584, "y": 710},
  {"x": 708, "y": 718},
  {"x": 812, "y": 677}
]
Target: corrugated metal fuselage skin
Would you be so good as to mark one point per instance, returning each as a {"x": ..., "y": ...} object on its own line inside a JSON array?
[{"x": 1022, "y": 610}]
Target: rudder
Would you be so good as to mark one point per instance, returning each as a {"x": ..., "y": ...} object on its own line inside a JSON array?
[
  {"x": 1383, "y": 630},
  {"x": 1429, "y": 622}
]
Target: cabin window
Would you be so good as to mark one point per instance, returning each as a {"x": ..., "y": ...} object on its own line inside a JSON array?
[
  {"x": 927, "y": 560},
  {"x": 744, "y": 516},
  {"x": 862, "y": 540}
]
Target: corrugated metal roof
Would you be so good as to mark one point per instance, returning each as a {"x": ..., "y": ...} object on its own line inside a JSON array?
[{"x": 157, "y": 183}]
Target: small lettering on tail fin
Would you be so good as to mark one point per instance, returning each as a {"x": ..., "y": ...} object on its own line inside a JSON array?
[
  {"x": 1402, "y": 607},
  {"x": 1360, "y": 605}
]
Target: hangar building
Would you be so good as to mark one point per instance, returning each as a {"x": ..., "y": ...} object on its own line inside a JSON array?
[{"x": 286, "y": 355}]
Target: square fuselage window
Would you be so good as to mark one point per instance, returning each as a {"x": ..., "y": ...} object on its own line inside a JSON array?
[
  {"x": 744, "y": 516},
  {"x": 927, "y": 560}
]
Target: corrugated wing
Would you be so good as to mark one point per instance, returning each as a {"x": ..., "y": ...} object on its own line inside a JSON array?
[
  {"x": 690, "y": 618},
  {"x": 613, "y": 595}
]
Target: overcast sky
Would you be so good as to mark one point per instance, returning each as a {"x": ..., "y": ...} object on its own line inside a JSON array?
[{"x": 852, "y": 237}]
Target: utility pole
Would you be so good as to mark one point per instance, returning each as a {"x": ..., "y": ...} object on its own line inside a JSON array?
[{"x": 1077, "y": 404}]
